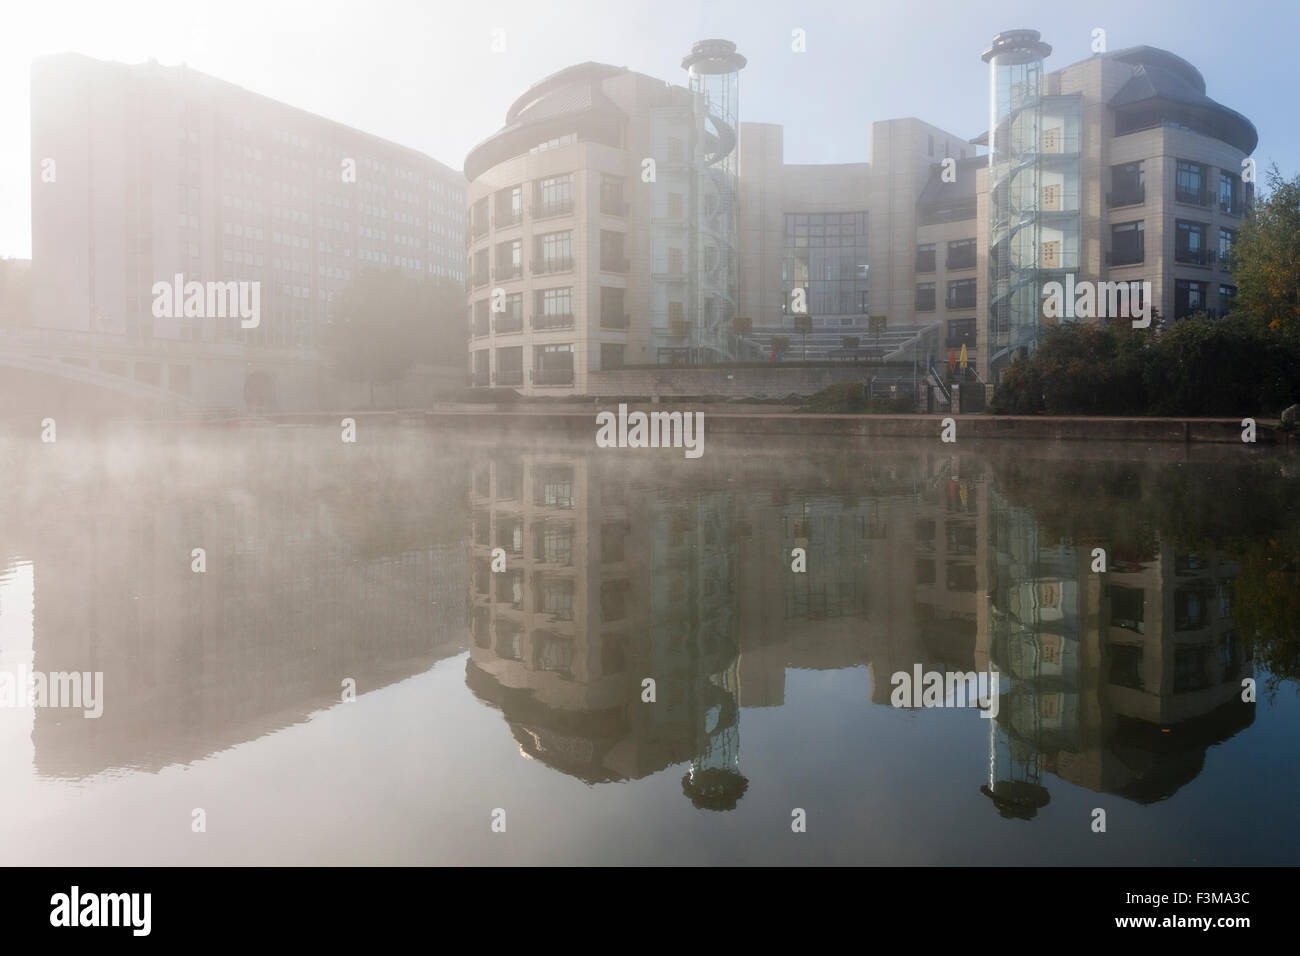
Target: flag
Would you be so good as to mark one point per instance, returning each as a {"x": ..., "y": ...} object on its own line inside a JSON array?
[
  {"x": 962, "y": 359},
  {"x": 952, "y": 359}
]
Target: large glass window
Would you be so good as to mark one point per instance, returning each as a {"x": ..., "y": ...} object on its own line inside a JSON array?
[
  {"x": 554, "y": 252},
  {"x": 826, "y": 254},
  {"x": 1189, "y": 297},
  {"x": 1230, "y": 193}
]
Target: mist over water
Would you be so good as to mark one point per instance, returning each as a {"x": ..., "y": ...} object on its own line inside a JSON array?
[{"x": 521, "y": 689}]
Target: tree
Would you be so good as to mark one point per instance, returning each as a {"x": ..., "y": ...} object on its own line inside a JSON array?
[
  {"x": 1266, "y": 258},
  {"x": 386, "y": 321}
]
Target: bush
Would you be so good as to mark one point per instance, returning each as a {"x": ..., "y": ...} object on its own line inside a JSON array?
[{"x": 1199, "y": 366}]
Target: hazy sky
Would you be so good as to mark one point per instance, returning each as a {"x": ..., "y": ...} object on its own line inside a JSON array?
[{"x": 423, "y": 74}]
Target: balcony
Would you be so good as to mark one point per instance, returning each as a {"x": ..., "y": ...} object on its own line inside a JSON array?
[
  {"x": 1225, "y": 260},
  {"x": 558, "y": 320},
  {"x": 1193, "y": 197},
  {"x": 543, "y": 267},
  {"x": 615, "y": 321},
  {"x": 1125, "y": 257},
  {"x": 613, "y": 207},
  {"x": 553, "y": 376},
  {"x": 507, "y": 377},
  {"x": 504, "y": 273},
  {"x": 963, "y": 299},
  {"x": 614, "y": 265},
  {"x": 962, "y": 260},
  {"x": 925, "y": 261},
  {"x": 478, "y": 230},
  {"x": 479, "y": 278},
  {"x": 1191, "y": 257},
  {"x": 549, "y": 210},
  {"x": 1126, "y": 196},
  {"x": 479, "y": 328},
  {"x": 924, "y": 300},
  {"x": 508, "y": 323},
  {"x": 504, "y": 220}
]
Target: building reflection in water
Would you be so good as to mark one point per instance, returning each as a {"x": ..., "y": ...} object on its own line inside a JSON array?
[
  {"x": 1116, "y": 682},
  {"x": 618, "y": 568},
  {"x": 315, "y": 571}
]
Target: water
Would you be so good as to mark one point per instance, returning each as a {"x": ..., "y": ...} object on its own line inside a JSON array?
[{"x": 522, "y": 690}]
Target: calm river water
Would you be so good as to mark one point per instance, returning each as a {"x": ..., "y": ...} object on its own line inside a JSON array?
[{"x": 501, "y": 715}]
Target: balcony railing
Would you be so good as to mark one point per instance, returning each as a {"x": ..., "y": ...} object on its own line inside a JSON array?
[
  {"x": 1195, "y": 257},
  {"x": 544, "y": 267},
  {"x": 925, "y": 300},
  {"x": 613, "y": 207},
  {"x": 479, "y": 328},
  {"x": 961, "y": 260},
  {"x": 613, "y": 265},
  {"x": 615, "y": 321},
  {"x": 1125, "y": 257},
  {"x": 480, "y": 278},
  {"x": 925, "y": 261},
  {"x": 510, "y": 376},
  {"x": 960, "y": 300},
  {"x": 553, "y": 376},
  {"x": 504, "y": 273},
  {"x": 1225, "y": 258},
  {"x": 556, "y": 320},
  {"x": 504, "y": 220},
  {"x": 1194, "y": 197},
  {"x": 546, "y": 210},
  {"x": 508, "y": 323},
  {"x": 1127, "y": 196},
  {"x": 478, "y": 230}
]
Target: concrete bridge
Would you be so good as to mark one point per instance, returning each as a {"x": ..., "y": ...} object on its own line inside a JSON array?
[{"x": 166, "y": 377}]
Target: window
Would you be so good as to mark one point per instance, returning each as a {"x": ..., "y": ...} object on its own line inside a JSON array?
[
  {"x": 553, "y": 365},
  {"x": 478, "y": 217},
  {"x": 611, "y": 196},
  {"x": 1189, "y": 297},
  {"x": 611, "y": 356},
  {"x": 481, "y": 317},
  {"x": 1127, "y": 243},
  {"x": 961, "y": 332},
  {"x": 961, "y": 254},
  {"x": 1190, "y": 183},
  {"x": 1189, "y": 242},
  {"x": 553, "y": 196},
  {"x": 612, "y": 315},
  {"x": 511, "y": 319},
  {"x": 1052, "y": 197},
  {"x": 676, "y": 261},
  {"x": 675, "y": 206},
  {"x": 553, "y": 308},
  {"x": 1051, "y": 254},
  {"x": 1226, "y": 238},
  {"x": 509, "y": 206},
  {"x": 510, "y": 260},
  {"x": 554, "y": 252},
  {"x": 925, "y": 257},
  {"x": 1126, "y": 666},
  {"x": 510, "y": 371},
  {"x": 961, "y": 294},
  {"x": 925, "y": 297},
  {"x": 826, "y": 255},
  {"x": 1230, "y": 193},
  {"x": 676, "y": 153},
  {"x": 1052, "y": 140},
  {"x": 611, "y": 252}
]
